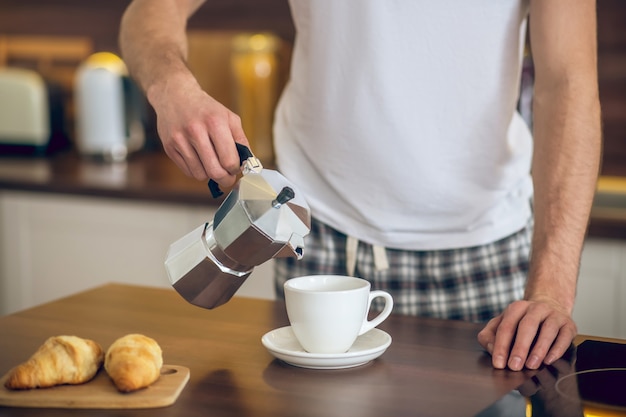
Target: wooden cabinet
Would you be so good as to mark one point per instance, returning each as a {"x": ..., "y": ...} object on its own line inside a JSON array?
[
  {"x": 53, "y": 245},
  {"x": 612, "y": 83}
]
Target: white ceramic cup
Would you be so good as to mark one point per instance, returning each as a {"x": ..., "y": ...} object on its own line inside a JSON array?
[{"x": 328, "y": 312}]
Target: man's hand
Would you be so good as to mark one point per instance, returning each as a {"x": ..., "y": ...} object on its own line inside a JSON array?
[
  {"x": 528, "y": 333},
  {"x": 198, "y": 133}
]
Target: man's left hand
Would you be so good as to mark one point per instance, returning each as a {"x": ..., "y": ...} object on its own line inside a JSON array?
[{"x": 528, "y": 333}]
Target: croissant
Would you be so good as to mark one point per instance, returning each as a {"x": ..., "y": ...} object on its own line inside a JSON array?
[
  {"x": 133, "y": 362},
  {"x": 60, "y": 360}
]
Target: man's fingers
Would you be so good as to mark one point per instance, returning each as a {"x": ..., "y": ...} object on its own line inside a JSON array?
[
  {"x": 194, "y": 152},
  {"x": 527, "y": 330},
  {"x": 199, "y": 152},
  {"x": 236, "y": 130},
  {"x": 548, "y": 335},
  {"x": 562, "y": 342},
  {"x": 505, "y": 334},
  {"x": 223, "y": 149},
  {"x": 554, "y": 337},
  {"x": 487, "y": 336}
]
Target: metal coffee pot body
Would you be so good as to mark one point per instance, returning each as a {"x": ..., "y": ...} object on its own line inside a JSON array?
[{"x": 263, "y": 217}]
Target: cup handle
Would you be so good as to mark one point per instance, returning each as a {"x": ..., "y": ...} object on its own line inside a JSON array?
[{"x": 370, "y": 324}]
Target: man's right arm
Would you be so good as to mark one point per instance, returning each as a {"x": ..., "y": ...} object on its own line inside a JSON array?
[{"x": 198, "y": 133}]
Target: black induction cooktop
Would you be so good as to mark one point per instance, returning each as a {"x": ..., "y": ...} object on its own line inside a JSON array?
[{"x": 590, "y": 379}]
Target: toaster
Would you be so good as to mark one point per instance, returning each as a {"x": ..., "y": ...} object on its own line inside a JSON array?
[{"x": 31, "y": 113}]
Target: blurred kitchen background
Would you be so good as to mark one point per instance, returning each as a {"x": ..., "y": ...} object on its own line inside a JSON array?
[{"x": 73, "y": 216}]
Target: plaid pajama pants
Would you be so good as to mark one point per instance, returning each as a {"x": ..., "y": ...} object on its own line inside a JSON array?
[{"x": 472, "y": 284}]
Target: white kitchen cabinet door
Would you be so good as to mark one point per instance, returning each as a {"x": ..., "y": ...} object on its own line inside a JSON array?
[
  {"x": 53, "y": 245},
  {"x": 600, "y": 309}
]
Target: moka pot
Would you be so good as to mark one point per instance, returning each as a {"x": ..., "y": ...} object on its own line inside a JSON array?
[{"x": 263, "y": 217}]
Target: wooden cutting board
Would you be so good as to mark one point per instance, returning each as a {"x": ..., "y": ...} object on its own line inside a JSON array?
[{"x": 100, "y": 393}]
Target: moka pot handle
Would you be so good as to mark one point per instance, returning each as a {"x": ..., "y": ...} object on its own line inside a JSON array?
[{"x": 244, "y": 154}]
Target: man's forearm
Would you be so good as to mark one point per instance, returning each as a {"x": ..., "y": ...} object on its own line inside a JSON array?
[
  {"x": 567, "y": 144},
  {"x": 153, "y": 39},
  {"x": 565, "y": 168}
]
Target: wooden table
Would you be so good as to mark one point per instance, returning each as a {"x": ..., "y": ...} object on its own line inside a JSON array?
[{"x": 432, "y": 368}]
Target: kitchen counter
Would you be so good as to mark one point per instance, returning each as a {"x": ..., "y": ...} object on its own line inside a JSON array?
[
  {"x": 151, "y": 176},
  {"x": 432, "y": 367}
]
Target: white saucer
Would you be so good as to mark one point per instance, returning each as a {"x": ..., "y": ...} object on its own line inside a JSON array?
[{"x": 282, "y": 343}]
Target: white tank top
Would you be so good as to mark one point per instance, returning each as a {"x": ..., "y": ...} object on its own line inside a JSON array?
[{"x": 399, "y": 121}]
